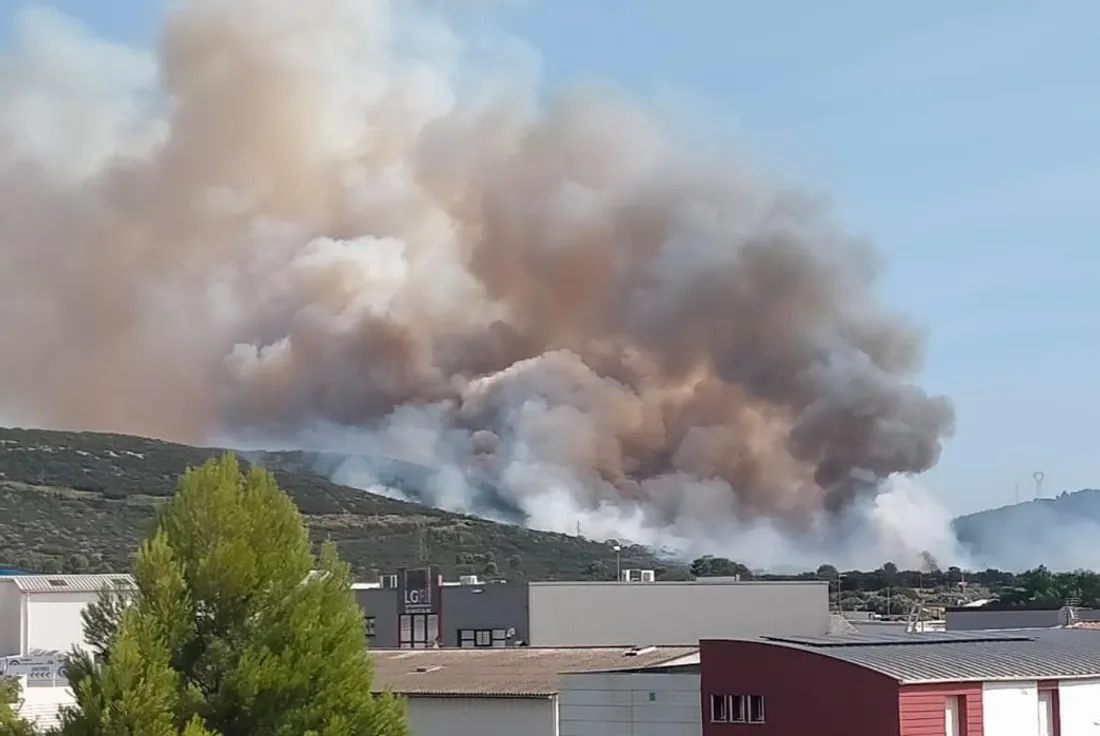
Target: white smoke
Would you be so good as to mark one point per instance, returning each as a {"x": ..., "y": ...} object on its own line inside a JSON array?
[{"x": 309, "y": 224}]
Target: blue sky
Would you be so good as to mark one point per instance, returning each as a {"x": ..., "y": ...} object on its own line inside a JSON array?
[{"x": 961, "y": 137}]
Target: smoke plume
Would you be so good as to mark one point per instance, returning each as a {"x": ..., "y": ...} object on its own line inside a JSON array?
[{"x": 315, "y": 223}]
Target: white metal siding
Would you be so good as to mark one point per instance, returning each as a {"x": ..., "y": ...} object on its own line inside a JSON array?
[
  {"x": 483, "y": 716},
  {"x": 11, "y": 619},
  {"x": 42, "y": 705},
  {"x": 53, "y": 620},
  {"x": 1079, "y": 703},
  {"x": 1011, "y": 709},
  {"x": 629, "y": 704},
  {"x": 625, "y": 614}
]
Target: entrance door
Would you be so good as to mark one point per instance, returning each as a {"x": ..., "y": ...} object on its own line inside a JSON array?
[
  {"x": 951, "y": 708},
  {"x": 1046, "y": 713}
]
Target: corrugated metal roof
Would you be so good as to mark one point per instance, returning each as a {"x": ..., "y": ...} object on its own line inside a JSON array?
[
  {"x": 1032, "y": 654},
  {"x": 504, "y": 672},
  {"x": 67, "y": 583}
]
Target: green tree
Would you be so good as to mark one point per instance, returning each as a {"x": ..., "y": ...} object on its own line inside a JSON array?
[
  {"x": 11, "y": 724},
  {"x": 709, "y": 566},
  {"x": 233, "y": 627}
]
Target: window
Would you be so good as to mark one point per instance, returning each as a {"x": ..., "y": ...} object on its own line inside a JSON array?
[
  {"x": 483, "y": 638},
  {"x": 756, "y": 708},
  {"x": 719, "y": 709},
  {"x": 368, "y": 626},
  {"x": 418, "y": 630},
  {"x": 737, "y": 708}
]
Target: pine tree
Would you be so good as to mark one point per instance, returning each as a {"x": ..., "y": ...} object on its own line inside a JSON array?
[
  {"x": 234, "y": 627},
  {"x": 11, "y": 724}
]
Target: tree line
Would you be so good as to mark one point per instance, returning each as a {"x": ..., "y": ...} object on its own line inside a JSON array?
[{"x": 1036, "y": 587}]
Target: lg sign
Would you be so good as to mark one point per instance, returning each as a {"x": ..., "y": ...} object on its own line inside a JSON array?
[{"x": 418, "y": 591}]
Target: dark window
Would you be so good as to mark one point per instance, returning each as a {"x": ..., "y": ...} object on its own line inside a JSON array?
[
  {"x": 756, "y": 708},
  {"x": 737, "y": 708},
  {"x": 418, "y": 630},
  {"x": 482, "y": 638},
  {"x": 719, "y": 709},
  {"x": 368, "y": 626}
]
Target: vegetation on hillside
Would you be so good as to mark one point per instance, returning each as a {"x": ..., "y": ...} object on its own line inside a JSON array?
[
  {"x": 890, "y": 591},
  {"x": 81, "y": 501},
  {"x": 234, "y": 627}
]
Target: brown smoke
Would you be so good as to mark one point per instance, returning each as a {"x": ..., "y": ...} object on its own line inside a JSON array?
[{"x": 293, "y": 225}]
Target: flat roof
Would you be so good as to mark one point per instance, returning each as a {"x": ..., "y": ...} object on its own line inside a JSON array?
[
  {"x": 696, "y": 582},
  {"x": 67, "y": 583},
  {"x": 964, "y": 656},
  {"x": 515, "y": 672}
]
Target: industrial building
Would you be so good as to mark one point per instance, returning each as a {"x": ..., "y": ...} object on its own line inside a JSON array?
[
  {"x": 40, "y": 622},
  {"x": 519, "y": 690},
  {"x": 42, "y": 612},
  {"x": 655, "y": 700},
  {"x": 1040, "y": 682},
  {"x": 992, "y": 616},
  {"x": 417, "y": 609}
]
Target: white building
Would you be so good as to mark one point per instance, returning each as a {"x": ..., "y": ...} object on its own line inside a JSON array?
[
  {"x": 673, "y": 613},
  {"x": 515, "y": 691},
  {"x": 42, "y": 612},
  {"x": 40, "y": 622}
]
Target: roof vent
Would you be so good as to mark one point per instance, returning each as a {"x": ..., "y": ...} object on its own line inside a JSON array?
[
  {"x": 427, "y": 668},
  {"x": 59, "y": 583},
  {"x": 638, "y": 651}
]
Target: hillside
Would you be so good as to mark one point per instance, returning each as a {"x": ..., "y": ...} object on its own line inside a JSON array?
[
  {"x": 80, "y": 502},
  {"x": 1058, "y": 532}
]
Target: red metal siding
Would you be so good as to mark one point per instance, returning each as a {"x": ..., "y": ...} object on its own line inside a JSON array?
[
  {"x": 921, "y": 708},
  {"x": 805, "y": 693}
]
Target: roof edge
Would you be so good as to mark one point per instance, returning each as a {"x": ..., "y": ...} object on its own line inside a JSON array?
[
  {"x": 449, "y": 694},
  {"x": 1000, "y": 678}
]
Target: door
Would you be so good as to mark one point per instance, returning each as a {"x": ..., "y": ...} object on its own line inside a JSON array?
[
  {"x": 1046, "y": 713},
  {"x": 952, "y": 707}
]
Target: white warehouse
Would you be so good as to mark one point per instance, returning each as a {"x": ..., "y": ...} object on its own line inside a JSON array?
[
  {"x": 40, "y": 622},
  {"x": 42, "y": 612}
]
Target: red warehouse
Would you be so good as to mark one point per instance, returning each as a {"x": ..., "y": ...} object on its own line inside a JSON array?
[{"x": 1039, "y": 682}]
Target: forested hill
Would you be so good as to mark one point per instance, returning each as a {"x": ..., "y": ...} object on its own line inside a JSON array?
[
  {"x": 81, "y": 501},
  {"x": 1060, "y": 533}
]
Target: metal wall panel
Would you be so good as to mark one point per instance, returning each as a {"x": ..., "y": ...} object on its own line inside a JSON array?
[{"x": 627, "y": 614}]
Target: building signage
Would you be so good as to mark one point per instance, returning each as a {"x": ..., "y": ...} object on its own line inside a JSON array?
[
  {"x": 44, "y": 668},
  {"x": 418, "y": 591}
]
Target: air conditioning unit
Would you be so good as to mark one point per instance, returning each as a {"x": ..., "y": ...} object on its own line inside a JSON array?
[
  {"x": 649, "y": 576},
  {"x": 468, "y": 580},
  {"x": 388, "y": 581}
]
